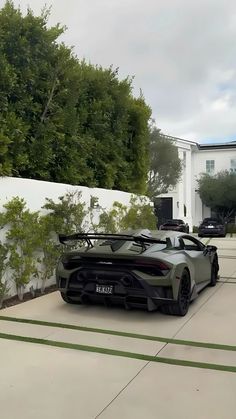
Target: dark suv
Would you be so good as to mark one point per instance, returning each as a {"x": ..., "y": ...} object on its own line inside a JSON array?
[
  {"x": 175, "y": 225},
  {"x": 212, "y": 227}
]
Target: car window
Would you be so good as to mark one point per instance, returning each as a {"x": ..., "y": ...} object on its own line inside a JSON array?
[
  {"x": 190, "y": 244},
  {"x": 175, "y": 243}
]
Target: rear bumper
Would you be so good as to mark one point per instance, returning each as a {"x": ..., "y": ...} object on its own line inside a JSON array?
[
  {"x": 143, "y": 295},
  {"x": 211, "y": 232}
]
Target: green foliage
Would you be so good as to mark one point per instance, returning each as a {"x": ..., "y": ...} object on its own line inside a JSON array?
[
  {"x": 64, "y": 120},
  {"x": 165, "y": 165},
  {"x": 112, "y": 221},
  {"x": 50, "y": 250},
  {"x": 4, "y": 289},
  {"x": 219, "y": 193},
  {"x": 67, "y": 215},
  {"x": 139, "y": 214},
  {"x": 21, "y": 242}
]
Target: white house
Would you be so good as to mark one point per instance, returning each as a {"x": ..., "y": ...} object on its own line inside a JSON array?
[{"x": 184, "y": 202}]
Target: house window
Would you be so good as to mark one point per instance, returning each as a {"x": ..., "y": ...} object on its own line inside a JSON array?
[
  {"x": 233, "y": 165},
  {"x": 210, "y": 166}
]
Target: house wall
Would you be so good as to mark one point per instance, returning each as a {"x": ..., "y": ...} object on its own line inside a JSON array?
[
  {"x": 222, "y": 159},
  {"x": 186, "y": 191},
  {"x": 182, "y": 193}
]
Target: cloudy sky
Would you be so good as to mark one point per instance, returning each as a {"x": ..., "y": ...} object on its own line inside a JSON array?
[{"x": 182, "y": 54}]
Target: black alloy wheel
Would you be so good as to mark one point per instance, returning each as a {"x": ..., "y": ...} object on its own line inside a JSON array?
[
  {"x": 214, "y": 272},
  {"x": 180, "y": 308}
]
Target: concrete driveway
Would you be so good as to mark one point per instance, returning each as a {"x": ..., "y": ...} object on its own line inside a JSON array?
[{"x": 59, "y": 361}]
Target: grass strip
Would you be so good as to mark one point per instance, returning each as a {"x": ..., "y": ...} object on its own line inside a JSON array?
[
  {"x": 124, "y": 354},
  {"x": 196, "y": 344}
]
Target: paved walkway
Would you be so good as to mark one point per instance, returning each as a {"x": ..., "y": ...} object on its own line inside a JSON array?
[{"x": 60, "y": 361}]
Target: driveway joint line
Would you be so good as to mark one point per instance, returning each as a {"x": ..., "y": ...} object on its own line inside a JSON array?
[
  {"x": 122, "y": 390},
  {"x": 207, "y": 345},
  {"x": 124, "y": 354},
  {"x": 130, "y": 382}
]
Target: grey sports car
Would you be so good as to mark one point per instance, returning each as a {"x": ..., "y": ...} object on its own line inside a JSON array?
[{"x": 162, "y": 269}]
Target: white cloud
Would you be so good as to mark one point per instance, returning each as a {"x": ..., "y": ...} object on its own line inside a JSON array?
[{"x": 181, "y": 52}]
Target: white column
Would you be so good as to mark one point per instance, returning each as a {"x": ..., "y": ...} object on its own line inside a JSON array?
[
  {"x": 181, "y": 189},
  {"x": 188, "y": 188}
]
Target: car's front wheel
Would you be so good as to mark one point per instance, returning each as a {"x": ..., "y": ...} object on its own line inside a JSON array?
[
  {"x": 68, "y": 299},
  {"x": 180, "y": 307}
]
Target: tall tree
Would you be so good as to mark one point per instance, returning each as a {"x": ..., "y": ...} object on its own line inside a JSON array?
[
  {"x": 64, "y": 120},
  {"x": 165, "y": 165},
  {"x": 219, "y": 193}
]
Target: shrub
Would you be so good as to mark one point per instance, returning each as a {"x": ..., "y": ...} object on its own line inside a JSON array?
[
  {"x": 138, "y": 215},
  {"x": 21, "y": 242},
  {"x": 4, "y": 289},
  {"x": 66, "y": 216},
  {"x": 50, "y": 250}
]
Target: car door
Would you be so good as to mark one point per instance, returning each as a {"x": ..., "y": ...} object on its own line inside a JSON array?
[{"x": 200, "y": 260}]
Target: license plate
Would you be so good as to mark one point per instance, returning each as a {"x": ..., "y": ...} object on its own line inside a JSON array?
[
  {"x": 210, "y": 226},
  {"x": 104, "y": 289}
]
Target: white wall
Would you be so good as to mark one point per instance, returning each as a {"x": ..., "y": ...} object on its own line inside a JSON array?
[
  {"x": 222, "y": 162},
  {"x": 35, "y": 191}
]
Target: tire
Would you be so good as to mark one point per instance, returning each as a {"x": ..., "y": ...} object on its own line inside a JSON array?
[
  {"x": 69, "y": 300},
  {"x": 214, "y": 272},
  {"x": 180, "y": 308}
]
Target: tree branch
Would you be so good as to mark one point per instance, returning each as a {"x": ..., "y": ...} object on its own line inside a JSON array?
[{"x": 43, "y": 116}]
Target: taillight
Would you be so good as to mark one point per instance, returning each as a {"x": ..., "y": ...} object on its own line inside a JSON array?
[
  {"x": 163, "y": 266},
  {"x": 157, "y": 268}
]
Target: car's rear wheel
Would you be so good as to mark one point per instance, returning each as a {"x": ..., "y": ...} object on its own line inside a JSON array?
[
  {"x": 214, "y": 272},
  {"x": 68, "y": 299},
  {"x": 180, "y": 308}
]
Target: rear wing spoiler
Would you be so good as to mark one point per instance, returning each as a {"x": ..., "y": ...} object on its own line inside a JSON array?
[{"x": 87, "y": 237}]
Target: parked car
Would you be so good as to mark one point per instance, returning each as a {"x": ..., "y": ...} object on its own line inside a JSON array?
[
  {"x": 211, "y": 227},
  {"x": 175, "y": 225},
  {"x": 165, "y": 270}
]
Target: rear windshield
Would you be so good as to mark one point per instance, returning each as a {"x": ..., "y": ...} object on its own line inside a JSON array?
[
  {"x": 214, "y": 222},
  {"x": 173, "y": 223}
]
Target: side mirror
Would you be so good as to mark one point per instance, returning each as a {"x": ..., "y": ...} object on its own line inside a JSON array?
[
  {"x": 209, "y": 249},
  {"x": 212, "y": 248}
]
